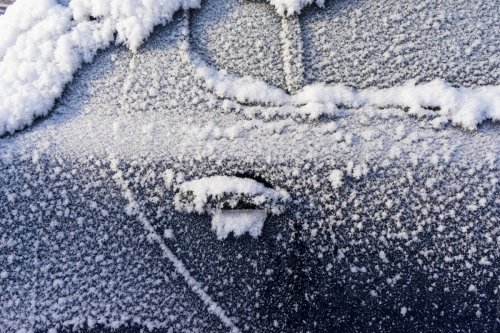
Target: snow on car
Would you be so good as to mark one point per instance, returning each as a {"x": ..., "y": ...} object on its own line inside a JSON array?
[{"x": 249, "y": 166}]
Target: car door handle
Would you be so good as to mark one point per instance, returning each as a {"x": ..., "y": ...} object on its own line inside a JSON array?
[{"x": 237, "y": 205}]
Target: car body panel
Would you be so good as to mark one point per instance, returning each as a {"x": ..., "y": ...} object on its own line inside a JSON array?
[{"x": 407, "y": 241}]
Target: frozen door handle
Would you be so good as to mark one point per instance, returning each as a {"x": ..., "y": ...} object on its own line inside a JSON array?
[{"x": 236, "y": 204}]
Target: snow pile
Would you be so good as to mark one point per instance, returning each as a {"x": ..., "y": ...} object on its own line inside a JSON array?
[
  {"x": 293, "y": 7},
  {"x": 133, "y": 20},
  {"x": 238, "y": 222},
  {"x": 211, "y": 194},
  {"x": 43, "y": 44},
  {"x": 36, "y": 68}
]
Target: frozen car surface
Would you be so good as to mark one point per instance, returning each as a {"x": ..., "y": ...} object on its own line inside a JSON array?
[
  {"x": 374, "y": 43},
  {"x": 379, "y": 219}
]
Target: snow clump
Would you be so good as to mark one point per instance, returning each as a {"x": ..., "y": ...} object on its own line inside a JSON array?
[
  {"x": 465, "y": 107},
  {"x": 238, "y": 222},
  {"x": 293, "y": 7}
]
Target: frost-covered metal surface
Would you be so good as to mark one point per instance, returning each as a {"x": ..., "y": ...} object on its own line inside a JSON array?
[
  {"x": 392, "y": 222},
  {"x": 241, "y": 37},
  {"x": 383, "y": 43}
]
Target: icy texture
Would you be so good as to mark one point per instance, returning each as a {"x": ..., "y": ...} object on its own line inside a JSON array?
[
  {"x": 365, "y": 43},
  {"x": 241, "y": 37},
  {"x": 40, "y": 55},
  {"x": 238, "y": 222},
  {"x": 292, "y": 53},
  {"x": 465, "y": 107},
  {"x": 199, "y": 195},
  {"x": 79, "y": 265},
  {"x": 133, "y": 209}
]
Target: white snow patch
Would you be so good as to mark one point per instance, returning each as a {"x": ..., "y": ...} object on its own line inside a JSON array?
[
  {"x": 382, "y": 255},
  {"x": 133, "y": 20},
  {"x": 243, "y": 89},
  {"x": 472, "y": 288},
  {"x": 466, "y": 107},
  {"x": 238, "y": 222},
  {"x": 43, "y": 43},
  {"x": 168, "y": 234},
  {"x": 18, "y": 20},
  {"x": 169, "y": 178}
]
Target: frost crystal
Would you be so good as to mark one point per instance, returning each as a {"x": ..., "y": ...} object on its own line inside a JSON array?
[{"x": 336, "y": 178}]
